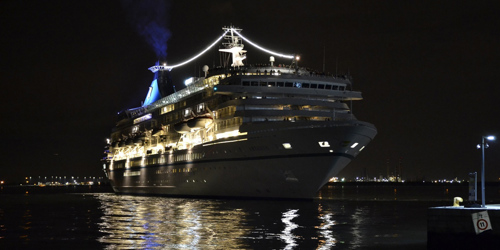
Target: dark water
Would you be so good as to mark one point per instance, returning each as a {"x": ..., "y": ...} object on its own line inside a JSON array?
[{"x": 345, "y": 217}]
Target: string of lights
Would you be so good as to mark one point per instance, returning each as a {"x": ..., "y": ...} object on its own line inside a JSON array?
[
  {"x": 201, "y": 53},
  {"x": 170, "y": 67},
  {"x": 263, "y": 49}
]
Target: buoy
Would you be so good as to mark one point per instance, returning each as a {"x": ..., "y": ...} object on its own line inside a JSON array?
[{"x": 456, "y": 201}]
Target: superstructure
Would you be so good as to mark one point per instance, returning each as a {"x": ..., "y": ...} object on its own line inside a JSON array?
[{"x": 274, "y": 131}]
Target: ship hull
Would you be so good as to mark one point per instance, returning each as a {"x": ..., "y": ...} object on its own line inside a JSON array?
[{"x": 292, "y": 161}]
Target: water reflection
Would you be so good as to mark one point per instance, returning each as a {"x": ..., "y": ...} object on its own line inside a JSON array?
[
  {"x": 131, "y": 222},
  {"x": 287, "y": 236},
  {"x": 358, "y": 220},
  {"x": 325, "y": 229}
]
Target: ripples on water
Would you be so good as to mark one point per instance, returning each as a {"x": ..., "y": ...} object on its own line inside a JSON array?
[
  {"x": 92, "y": 221},
  {"x": 131, "y": 222},
  {"x": 157, "y": 222}
]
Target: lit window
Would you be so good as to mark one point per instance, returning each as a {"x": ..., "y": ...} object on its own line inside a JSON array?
[
  {"x": 324, "y": 144},
  {"x": 361, "y": 148},
  {"x": 354, "y": 145},
  {"x": 287, "y": 145},
  {"x": 200, "y": 107},
  {"x": 188, "y": 81}
]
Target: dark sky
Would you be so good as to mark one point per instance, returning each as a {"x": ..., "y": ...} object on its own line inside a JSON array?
[{"x": 429, "y": 72}]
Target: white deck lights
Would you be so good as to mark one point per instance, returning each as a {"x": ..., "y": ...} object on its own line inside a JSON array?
[
  {"x": 258, "y": 47},
  {"x": 170, "y": 67},
  {"x": 157, "y": 67}
]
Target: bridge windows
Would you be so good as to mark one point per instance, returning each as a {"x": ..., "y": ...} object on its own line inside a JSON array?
[{"x": 329, "y": 86}]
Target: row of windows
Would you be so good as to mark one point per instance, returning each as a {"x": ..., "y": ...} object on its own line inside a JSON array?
[
  {"x": 186, "y": 170},
  {"x": 227, "y": 111},
  {"x": 168, "y": 116},
  {"x": 167, "y": 109},
  {"x": 165, "y": 181},
  {"x": 189, "y": 157},
  {"x": 160, "y": 160},
  {"x": 235, "y": 121},
  {"x": 294, "y": 85},
  {"x": 175, "y": 170},
  {"x": 131, "y": 173},
  {"x": 295, "y": 118}
]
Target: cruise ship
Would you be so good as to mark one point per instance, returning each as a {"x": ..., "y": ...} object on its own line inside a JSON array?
[{"x": 241, "y": 131}]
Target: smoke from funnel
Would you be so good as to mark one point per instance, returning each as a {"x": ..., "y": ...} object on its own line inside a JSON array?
[{"x": 150, "y": 19}]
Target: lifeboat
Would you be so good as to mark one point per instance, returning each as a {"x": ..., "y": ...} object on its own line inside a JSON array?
[
  {"x": 139, "y": 140},
  {"x": 156, "y": 131},
  {"x": 199, "y": 122},
  {"x": 182, "y": 127}
]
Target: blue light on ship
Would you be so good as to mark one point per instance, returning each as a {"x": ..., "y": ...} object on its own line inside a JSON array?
[{"x": 153, "y": 93}]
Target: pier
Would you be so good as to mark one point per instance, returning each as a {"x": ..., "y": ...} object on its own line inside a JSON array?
[{"x": 459, "y": 227}]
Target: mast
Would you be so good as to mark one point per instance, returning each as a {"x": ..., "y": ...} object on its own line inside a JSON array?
[{"x": 234, "y": 46}]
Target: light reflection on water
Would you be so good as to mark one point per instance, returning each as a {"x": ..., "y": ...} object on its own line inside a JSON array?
[
  {"x": 131, "y": 222},
  {"x": 287, "y": 236},
  {"x": 326, "y": 227},
  {"x": 134, "y": 222},
  {"x": 354, "y": 220}
]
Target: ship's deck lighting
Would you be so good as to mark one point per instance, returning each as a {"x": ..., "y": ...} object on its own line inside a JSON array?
[
  {"x": 165, "y": 67},
  {"x": 257, "y": 46},
  {"x": 201, "y": 53},
  {"x": 223, "y": 142},
  {"x": 229, "y": 134},
  {"x": 188, "y": 81},
  {"x": 354, "y": 145},
  {"x": 287, "y": 145}
]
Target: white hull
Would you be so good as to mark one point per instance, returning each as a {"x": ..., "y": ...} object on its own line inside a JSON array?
[
  {"x": 255, "y": 166},
  {"x": 273, "y": 131}
]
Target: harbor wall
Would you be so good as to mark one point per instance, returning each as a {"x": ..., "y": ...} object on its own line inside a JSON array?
[{"x": 454, "y": 228}]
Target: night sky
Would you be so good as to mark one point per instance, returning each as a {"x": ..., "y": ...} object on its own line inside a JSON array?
[{"x": 429, "y": 73}]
